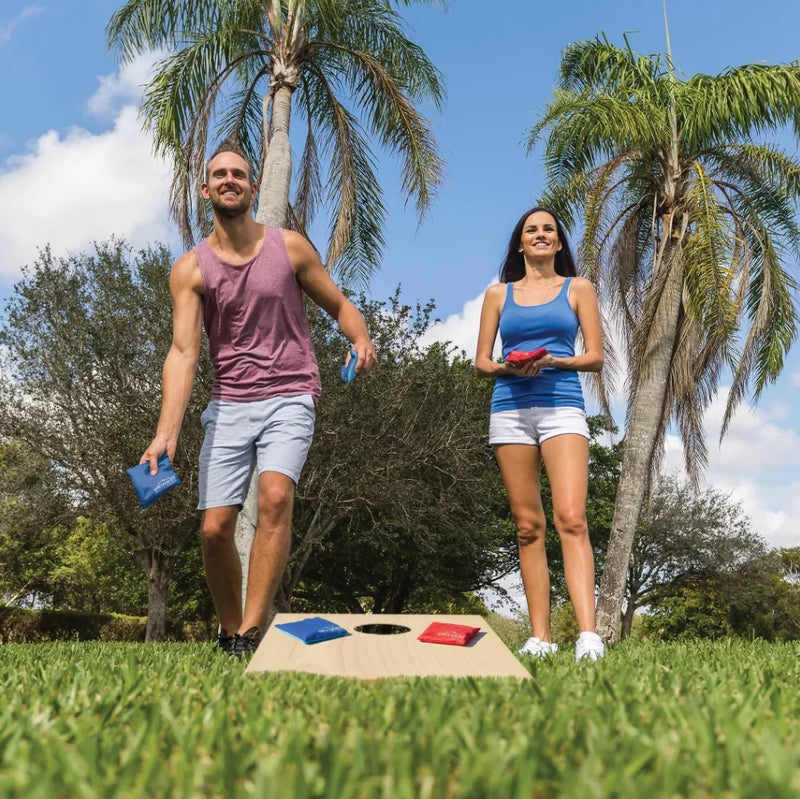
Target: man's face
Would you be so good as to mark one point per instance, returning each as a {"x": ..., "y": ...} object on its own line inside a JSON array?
[{"x": 228, "y": 185}]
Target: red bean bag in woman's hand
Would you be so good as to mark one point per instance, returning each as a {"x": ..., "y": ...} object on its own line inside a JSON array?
[{"x": 520, "y": 358}]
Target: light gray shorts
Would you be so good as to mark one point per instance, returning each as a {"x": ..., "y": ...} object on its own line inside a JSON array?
[
  {"x": 274, "y": 434},
  {"x": 535, "y": 425}
]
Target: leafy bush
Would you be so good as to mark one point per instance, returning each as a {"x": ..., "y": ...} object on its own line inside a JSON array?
[{"x": 20, "y": 625}]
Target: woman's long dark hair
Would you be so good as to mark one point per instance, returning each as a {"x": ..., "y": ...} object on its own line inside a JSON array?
[{"x": 513, "y": 266}]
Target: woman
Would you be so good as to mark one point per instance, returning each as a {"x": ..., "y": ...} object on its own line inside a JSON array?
[{"x": 538, "y": 413}]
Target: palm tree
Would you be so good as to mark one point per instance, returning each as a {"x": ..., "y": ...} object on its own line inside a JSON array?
[
  {"x": 233, "y": 70},
  {"x": 687, "y": 225}
]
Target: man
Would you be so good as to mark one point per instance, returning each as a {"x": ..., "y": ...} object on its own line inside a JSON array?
[{"x": 244, "y": 283}]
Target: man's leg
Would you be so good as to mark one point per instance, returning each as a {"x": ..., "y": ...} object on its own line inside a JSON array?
[
  {"x": 226, "y": 460},
  {"x": 223, "y": 567},
  {"x": 270, "y": 551}
]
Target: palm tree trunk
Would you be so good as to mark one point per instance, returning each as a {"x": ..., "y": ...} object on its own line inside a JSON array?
[
  {"x": 639, "y": 446},
  {"x": 276, "y": 172},
  {"x": 273, "y": 210}
]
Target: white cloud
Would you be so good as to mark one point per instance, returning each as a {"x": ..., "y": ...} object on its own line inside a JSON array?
[
  {"x": 758, "y": 438},
  {"x": 756, "y": 464},
  {"x": 72, "y": 189},
  {"x": 123, "y": 88},
  {"x": 7, "y": 28},
  {"x": 460, "y": 329}
]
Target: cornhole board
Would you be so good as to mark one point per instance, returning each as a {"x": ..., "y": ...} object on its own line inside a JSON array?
[{"x": 368, "y": 656}]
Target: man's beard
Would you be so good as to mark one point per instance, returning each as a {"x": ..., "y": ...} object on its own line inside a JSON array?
[{"x": 231, "y": 211}]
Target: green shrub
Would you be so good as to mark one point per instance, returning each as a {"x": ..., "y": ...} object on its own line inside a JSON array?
[{"x": 22, "y": 625}]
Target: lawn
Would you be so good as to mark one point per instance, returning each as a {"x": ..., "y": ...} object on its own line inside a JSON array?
[{"x": 177, "y": 720}]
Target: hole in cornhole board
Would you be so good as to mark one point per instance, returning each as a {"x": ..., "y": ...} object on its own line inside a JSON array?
[
  {"x": 371, "y": 656},
  {"x": 382, "y": 629}
]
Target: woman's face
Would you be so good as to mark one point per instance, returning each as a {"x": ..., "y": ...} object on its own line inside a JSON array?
[{"x": 539, "y": 237}]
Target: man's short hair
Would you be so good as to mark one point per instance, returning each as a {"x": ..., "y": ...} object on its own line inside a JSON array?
[{"x": 231, "y": 146}]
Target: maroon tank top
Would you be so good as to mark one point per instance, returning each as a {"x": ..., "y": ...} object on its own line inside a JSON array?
[{"x": 256, "y": 325}]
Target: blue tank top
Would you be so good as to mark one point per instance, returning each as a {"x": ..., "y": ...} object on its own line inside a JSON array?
[{"x": 553, "y": 325}]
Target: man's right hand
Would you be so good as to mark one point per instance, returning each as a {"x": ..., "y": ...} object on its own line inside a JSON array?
[{"x": 158, "y": 446}]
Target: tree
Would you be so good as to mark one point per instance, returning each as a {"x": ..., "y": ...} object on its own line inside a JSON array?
[
  {"x": 90, "y": 571},
  {"x": 683, "y": 533},
  {"x": 697, "y": 607},
  {"x": 85, "y": 338},
  {"x": 764, "y": 600},
  {"x": 399, "y": 495},
  {"x": 34, "y": 512},
  {"x": 51, "y": 556},
  {"x": 239, "y": 65},
  {"x": 790, "y": 565},
  {"x": 755, "y": 600},
  {"x": 686, "y": 223}
]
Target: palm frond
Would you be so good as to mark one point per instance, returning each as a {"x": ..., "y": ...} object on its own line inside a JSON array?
[
  {"x": 356, "y": 238},
  {"x": 771, "y": 310},
  {"x": 584, "y": 130},
  {"x": 308, "y": 194},
  {"x": 709, "y": 281},
  {"x": 740, "y": 102},
  {"x": 596, "y": 66},
  {"x": 143, "y": 25},
  {"x": 386, "y": 74}
]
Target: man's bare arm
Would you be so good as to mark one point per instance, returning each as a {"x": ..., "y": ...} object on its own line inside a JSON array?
[
  {"x": 180, "y": 365},
  {"x": 317, "y": 283}
]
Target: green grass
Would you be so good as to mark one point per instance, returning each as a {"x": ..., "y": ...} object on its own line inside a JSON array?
[{"x": 177, "y": 720}]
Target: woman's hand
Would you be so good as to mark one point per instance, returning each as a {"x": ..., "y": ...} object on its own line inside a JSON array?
[{"x": 530, "y": 368}]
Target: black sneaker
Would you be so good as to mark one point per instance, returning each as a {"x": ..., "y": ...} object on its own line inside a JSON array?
[
  {"x": 246, "y": 643},
  {"x": 225, "y": 642}
]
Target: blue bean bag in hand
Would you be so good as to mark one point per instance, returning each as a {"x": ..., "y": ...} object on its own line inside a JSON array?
[
  {"x": 150, "y": 487},
  {"x": 348, "y": 371}
]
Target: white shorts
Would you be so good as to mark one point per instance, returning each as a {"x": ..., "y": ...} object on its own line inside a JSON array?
[{"x": 535, "y": 425}]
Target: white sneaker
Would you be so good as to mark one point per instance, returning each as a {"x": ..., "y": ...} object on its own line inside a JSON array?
[
  {"x": 589, "y": 646},
  {"x": 537, "y": 648}
]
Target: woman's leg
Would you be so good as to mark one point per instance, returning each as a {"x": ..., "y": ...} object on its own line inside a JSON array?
[
  {"x": 519, "y": 467},
  {"x": 566, "y": 458}
]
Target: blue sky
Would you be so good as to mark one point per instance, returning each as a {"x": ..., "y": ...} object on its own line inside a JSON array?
[{"x": 75, "y": 167}]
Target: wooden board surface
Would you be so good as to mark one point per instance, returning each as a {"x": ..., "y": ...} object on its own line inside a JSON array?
[{"x": 368, "y": 656}]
